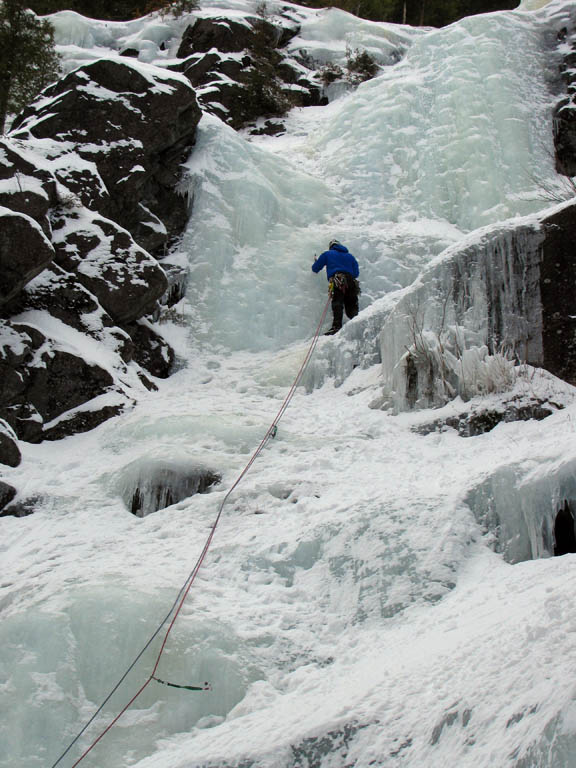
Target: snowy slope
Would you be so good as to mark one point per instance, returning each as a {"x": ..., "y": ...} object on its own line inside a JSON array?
[{"x": 352, "y": 610}]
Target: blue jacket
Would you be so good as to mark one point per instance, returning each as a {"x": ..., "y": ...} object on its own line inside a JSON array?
[{"x": 337, "y": 259}]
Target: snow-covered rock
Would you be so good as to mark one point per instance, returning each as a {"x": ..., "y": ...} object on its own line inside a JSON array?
[
  {"x": 136, "y": 124},
  {"x": 24, "y": 252},
  {"x": 9, "y": 451},
  {"x": 223, "y": 55},
  {"x": 7, "y": 494},
  {"x": 151, "y": 351},
  {"x": 25, "y": 185},
  {"x": 43, "y": 379},
  {"x": 96, "y": 155},
  {"x": 125, "y": 279}
]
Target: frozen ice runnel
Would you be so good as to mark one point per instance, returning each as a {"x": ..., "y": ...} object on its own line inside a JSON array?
[
  {"x": 172, "y": 432},
  {"x": 447, "y": 134},
  {"x": 257, "y": 221},
  {"x": 361, "y": 567}
]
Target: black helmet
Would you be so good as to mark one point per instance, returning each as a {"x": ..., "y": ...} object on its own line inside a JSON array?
[{"x": 332, "y": 243}]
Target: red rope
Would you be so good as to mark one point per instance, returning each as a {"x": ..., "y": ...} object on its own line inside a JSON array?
[{"x": 192, "y": 576}]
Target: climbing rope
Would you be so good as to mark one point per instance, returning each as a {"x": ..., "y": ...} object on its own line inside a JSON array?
[{"x": 176, "y": 606}]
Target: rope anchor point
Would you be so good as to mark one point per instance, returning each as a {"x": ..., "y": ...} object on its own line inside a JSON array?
[{"x": 204, "y": 687}]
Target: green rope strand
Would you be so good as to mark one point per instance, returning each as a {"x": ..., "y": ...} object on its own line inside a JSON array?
[{"x": 205, "y": 687}]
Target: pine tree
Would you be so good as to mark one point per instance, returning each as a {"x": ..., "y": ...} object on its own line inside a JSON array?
[{"x": 28, "y": 61}]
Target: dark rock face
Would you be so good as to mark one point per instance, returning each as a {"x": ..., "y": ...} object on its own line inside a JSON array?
[
  {"x": 18, "y": 343},
  {"x": 270, "y": 128},
  {"x": 24, "y": 252},
  {"x": 557, "y": 281},
  {"x": 220, "y": 33},
  {"x": 83, "y": 420},
  {"x": 201, "y": 70},
  {"x": 7, "y": 493},
  {"x": 136, "y": 128},
  {"x": 19, "y": 508},
  {"x": 564, "y": 119},
  {"x": 9, "y": 451},
  {"x": 564, "y": 531},
  {"x": 61, "y": 296},
  {"x": 14, "y": 505},
  {"x": 63, "y": 381},
  {"x": 230, "y": 36},
  {"x": 565, "y": 137},
  {"x": 150, "y": 350},
  {"x": 39, "y": 381}
]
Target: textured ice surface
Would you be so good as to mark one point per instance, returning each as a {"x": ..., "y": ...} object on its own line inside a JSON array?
[
  {"x": 455, "y": 136},
  {"x": 352, "y": 610}
]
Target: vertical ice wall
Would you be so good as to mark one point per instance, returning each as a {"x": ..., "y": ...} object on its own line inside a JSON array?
[
  {"x": 517, "y": 509},
  {"x": 250, "y": 243},
  {"x": 480, "y": 298},
  {"x": 455, "y": 131}
]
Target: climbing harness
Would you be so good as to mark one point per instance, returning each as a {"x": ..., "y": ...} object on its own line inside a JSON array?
[
  {"x": 338, "y": 282},
  {"x": 344, "y": 282},
  {"x": 185, "y": 589}
]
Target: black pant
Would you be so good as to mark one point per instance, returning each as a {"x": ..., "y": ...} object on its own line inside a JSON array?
[{"x": 345, "y": 291}]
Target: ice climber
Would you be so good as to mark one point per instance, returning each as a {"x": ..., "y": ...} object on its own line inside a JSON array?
[{"x": 342, "y": 271}]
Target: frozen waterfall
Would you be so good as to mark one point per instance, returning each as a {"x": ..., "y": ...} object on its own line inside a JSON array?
[
  {"x": 455, "y": 136},
  {"x": 364, "y": 603}
]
